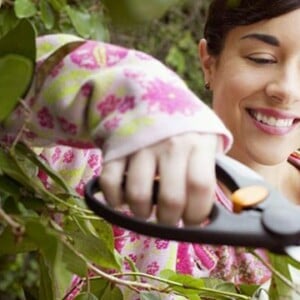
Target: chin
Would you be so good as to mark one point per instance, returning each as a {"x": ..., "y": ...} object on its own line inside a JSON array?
[{"x": 270, "y": 161}]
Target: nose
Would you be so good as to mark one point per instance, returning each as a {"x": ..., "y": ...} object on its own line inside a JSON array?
[{"x": 284, "y": 87}]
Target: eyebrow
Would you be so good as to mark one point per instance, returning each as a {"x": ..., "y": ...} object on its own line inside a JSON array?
[{"x": 266, "y": 38}]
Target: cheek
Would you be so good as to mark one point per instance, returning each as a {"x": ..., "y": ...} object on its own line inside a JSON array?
[
  {"x": 231, "y": 89},
  {"x": 227, "y": 95}
]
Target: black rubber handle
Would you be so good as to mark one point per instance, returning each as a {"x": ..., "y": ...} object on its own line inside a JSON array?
[{"x": 244, "y": 229}]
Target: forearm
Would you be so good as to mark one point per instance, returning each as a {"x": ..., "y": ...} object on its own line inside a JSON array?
[{"x": 118, "y": 99}]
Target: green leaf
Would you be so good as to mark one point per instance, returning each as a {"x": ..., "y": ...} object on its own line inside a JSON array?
[
  {"x": 17, "y": 60},
  {"x": 190, "y": 286},
  {"x": 25, "y": 164},
  {"x": 9, "y": 186},
  {"x": 186, "y": 280},
  {"x": 15, "y": 76},
  {"x": 278, "y": 289},
  {"x": 24, "y": 205},
  {"x": 97, "y": 286},
  {"x": 23, "y": 150},
  {"x": 51, "y": 249},
  {"x": 11, "y": 43},
  {"x": 8, "y": 21},
  {"x": 104, "y": 231},
  {"x": 9, "y": 167},
  {"x": 226, "y": 287},
  {"x": 293, "y": 262},
  {"x": 74, "y": 263},
  {"x": 32, "y": 205},
  {"x": 47, "y": 14},
  {"x": 149, "y": 296},
  {"x": 99, "y": 31},
  {"x": 11, "y": 245},
  {"x": 86, "y": 296},
  {"x": 24, "y": 8},
  {"x": 80, "y": 20},
  {"x": 58, "y": 5},
  {"x": 94, "y": 249},
  {"x": 111, "y": 292},
  {"x": 248, "y": 289},
  {"x": 176, "y": 59},
  {"x": 45, "y": 290}
]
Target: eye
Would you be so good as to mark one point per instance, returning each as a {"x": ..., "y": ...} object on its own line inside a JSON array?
[{"x": 262, "y": 60}]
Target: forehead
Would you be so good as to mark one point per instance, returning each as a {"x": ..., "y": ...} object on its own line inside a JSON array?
[{"x": 285, "y": 27}]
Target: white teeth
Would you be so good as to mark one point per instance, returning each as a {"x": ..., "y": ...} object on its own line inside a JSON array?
[{"x": 272, "y": 121}]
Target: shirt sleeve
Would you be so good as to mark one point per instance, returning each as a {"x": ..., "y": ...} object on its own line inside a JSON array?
[{"x": 93, "y": 94}]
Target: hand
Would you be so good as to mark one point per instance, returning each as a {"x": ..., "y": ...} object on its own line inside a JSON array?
[{"x": 186, "y": 167}]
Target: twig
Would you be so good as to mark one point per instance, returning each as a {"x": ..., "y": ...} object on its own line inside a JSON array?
[
  {"x": 137, "y": 286},
  {"x": 276, "y": 273},
  {"x": 16, "y": 227}
]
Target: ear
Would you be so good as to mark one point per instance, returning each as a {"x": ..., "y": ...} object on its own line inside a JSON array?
[{"x": 208, "y": 62}]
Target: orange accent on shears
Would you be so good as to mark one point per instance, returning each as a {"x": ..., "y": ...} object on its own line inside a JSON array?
[{"x": 248, "y": 196}]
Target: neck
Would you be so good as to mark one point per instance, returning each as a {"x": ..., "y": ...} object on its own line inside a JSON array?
[
  {"x": 275, "y": 174},
  {"x": 282, "y": 176}
]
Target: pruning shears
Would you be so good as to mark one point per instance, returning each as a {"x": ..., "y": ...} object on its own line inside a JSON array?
[{"x": 262, "y": 217}]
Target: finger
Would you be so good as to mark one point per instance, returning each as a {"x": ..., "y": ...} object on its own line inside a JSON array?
[
  {"x": 139, "y": 182},
  {"x": 201, "y": 182},
  {"x": 111, "y": 179},
  {"x": 172, "y": 191}
]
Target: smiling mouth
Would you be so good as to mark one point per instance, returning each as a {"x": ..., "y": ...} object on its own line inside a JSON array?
[{"x": 271, "y": 120}]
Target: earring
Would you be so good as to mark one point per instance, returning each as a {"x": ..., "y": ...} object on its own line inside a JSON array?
[{"x": 207, "y": 86}]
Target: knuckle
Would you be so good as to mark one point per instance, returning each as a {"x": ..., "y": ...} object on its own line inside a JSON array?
[
  {"x": 172, "y": 201},
  {"x": 137, "y": 196},
  {"x": 203, "y": 184}
]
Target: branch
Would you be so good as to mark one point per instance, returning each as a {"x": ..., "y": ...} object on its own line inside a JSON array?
[
  {"x": 276, "y": 273},
  {"x": 17, "y": 228}
]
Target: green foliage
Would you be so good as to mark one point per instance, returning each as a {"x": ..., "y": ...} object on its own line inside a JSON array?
[
  {"x": 15, "y": 77},
  {"x": 17, "y": 62},
  {"x": 132, "y": 12}
]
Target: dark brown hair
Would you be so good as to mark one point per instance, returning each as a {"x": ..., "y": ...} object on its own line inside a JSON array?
[{"x": 224, "y": 15}]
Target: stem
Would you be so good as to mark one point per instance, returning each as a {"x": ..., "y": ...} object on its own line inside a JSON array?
[
  {"x": 145, "y": 286},
  {"x": 276, "y": 273},
  {"x": 144, "y": 275},
  {"x": 89, "y": 218},
  {"x": 136, "y": 285},
  {"x": 110, "y": 277},
  {"x": 16, "y": 227}
]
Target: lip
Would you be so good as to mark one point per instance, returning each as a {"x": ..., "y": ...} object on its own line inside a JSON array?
[{"x": 273, "y": 130}]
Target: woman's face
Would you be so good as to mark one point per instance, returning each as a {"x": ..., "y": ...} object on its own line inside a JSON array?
[{"x": 256, "y": 88}]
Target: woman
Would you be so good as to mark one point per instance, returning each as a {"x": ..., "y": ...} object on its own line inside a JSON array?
[
  {"x": 251, "y": 61},
  {"x": 251, "y": 64}
]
